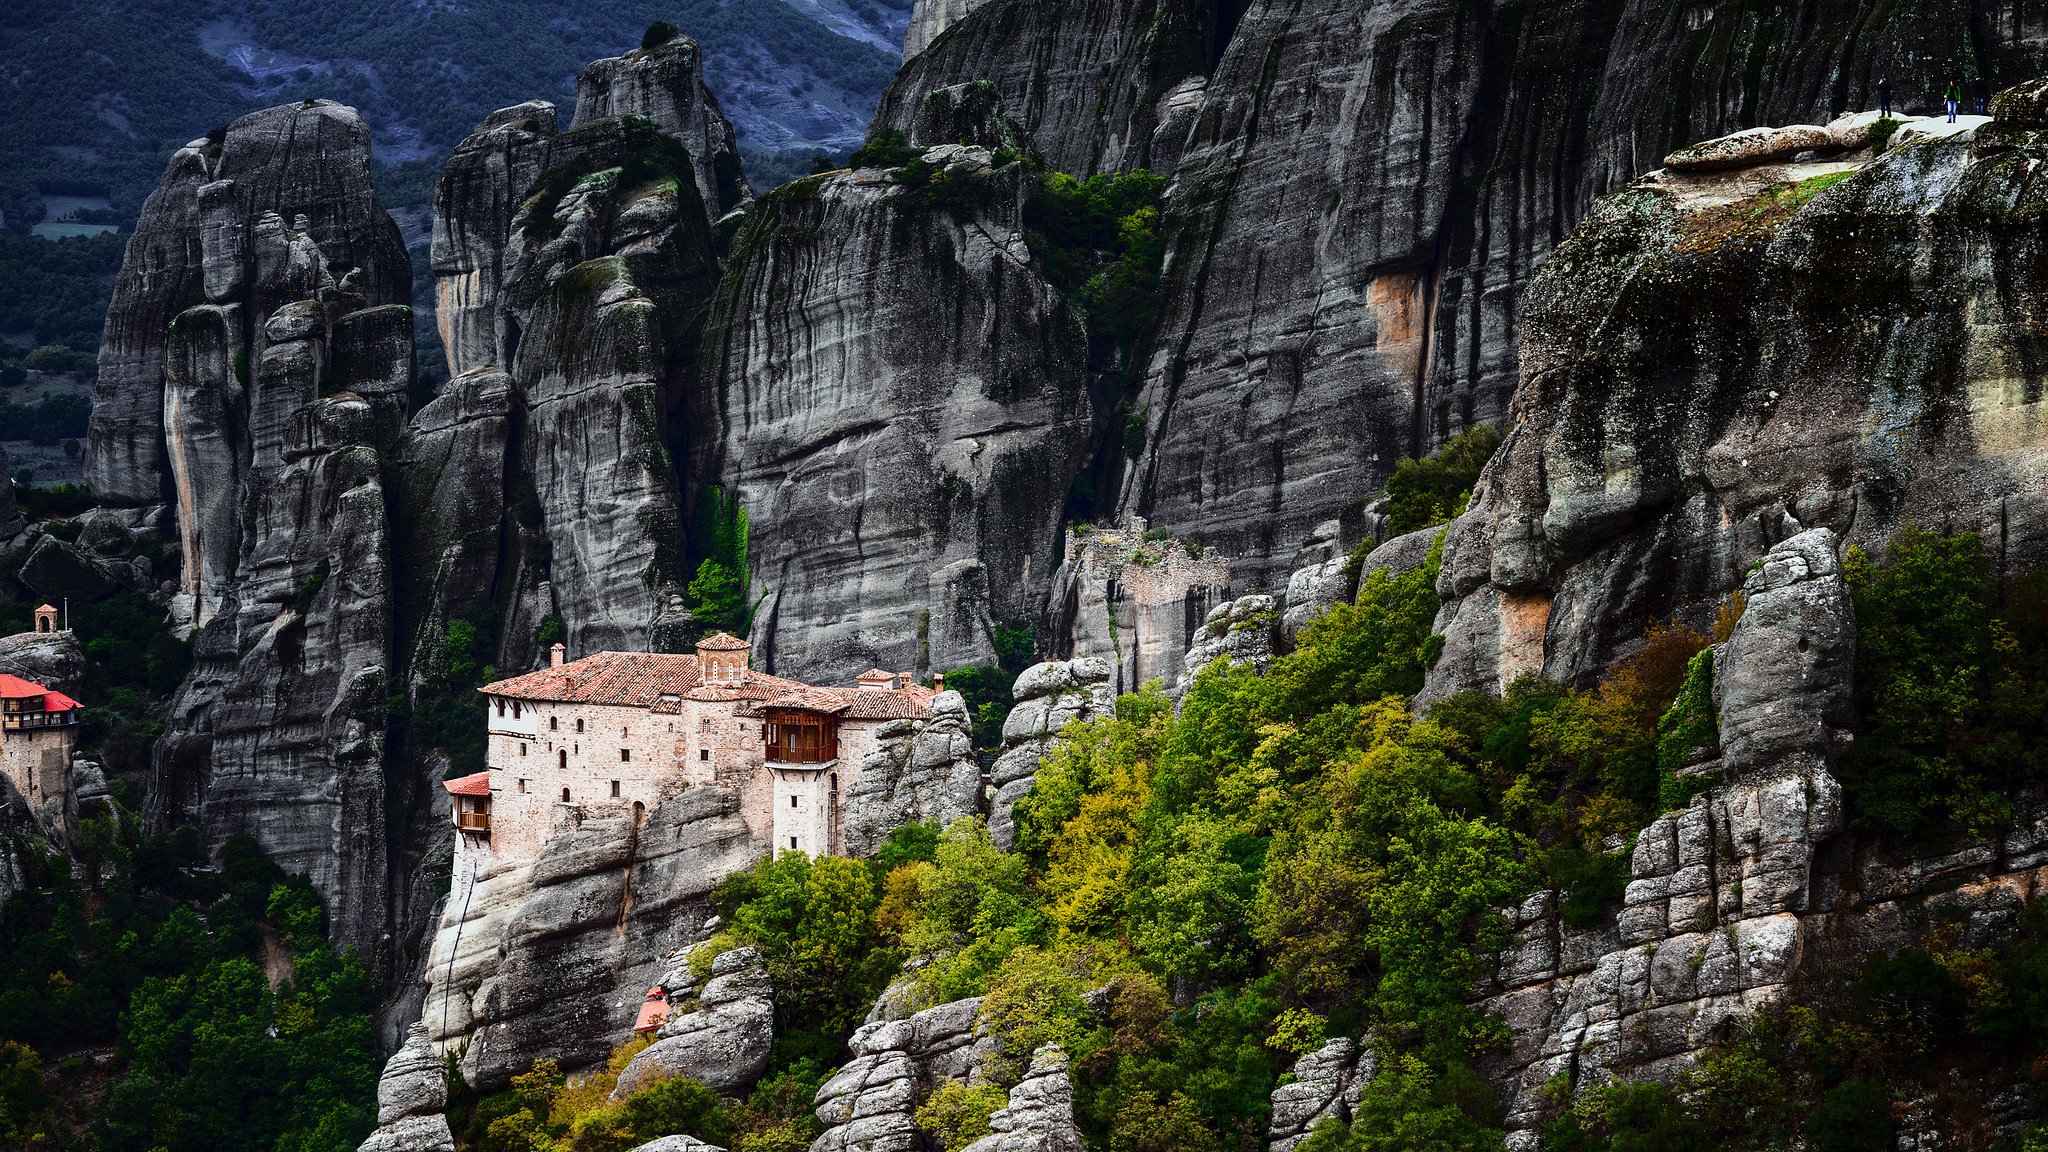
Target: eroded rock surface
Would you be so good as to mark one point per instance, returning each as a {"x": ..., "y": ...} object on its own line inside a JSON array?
[
  {"x": 1040, "y": 1114},
  {"x": 666, "y": 85},
  {"x": 869, "y": 1103},
  {"x": 898, "y": 400},
  {"x": 1326, "y": 1086},
  {"x": 1241, "y": 630},
  {"x": 919, "y": 772},
  {"x": 1048, "y": 696},
  {"x": 723, "y": 1041},
  {"x": 1692, "y": 395},
  {"x": 1134, "y": 602},
  {"x": 411, "y": 1097}
]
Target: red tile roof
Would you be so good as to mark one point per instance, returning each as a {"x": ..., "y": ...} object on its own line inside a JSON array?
[
  {"x": 912, "y": 703},
  {"x": 722, "y": 642},
  {"x": 58, "y": 702},
  {"x": 635, "y": 678},
  {"x": 14, "y": 687},
  {"x": 474, "y": 784}
]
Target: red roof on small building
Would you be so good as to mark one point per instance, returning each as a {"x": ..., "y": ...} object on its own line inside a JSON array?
[
  {"x": 474, "y": 784},
  {"x": 14, "y": 687},
  {"x": 722, "y": 642},
  {"x": 58, "y": 702}
]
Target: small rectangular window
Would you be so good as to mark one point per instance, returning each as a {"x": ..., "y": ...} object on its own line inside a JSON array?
[
  {"x": 522, "y": 785},
  {"x": 792, "y": 843},
  {"x": 522, "y": 749},
  {"x": 792, "y": 801},
  {"x": 579, "y": 725},
  {"x": 703, "y": 753},
  {"x": 625, "y": 755},
  {"x": 615, "y": 789},
  {"x": 554, "y": 723}
]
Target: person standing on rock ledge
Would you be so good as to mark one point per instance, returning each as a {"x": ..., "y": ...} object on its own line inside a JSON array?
[
  {"x": 1980, "y": 94},
  {"x": 1884, "y": 96},
  {"x": 1954, "y": 96}
]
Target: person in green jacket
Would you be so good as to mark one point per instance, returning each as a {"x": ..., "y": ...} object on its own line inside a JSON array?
[{"x": 1954, "y": 96}]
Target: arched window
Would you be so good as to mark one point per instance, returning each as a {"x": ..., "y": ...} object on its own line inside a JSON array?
[
  {"x": 554, "y": 723},
  {"x": 565, "y": 795},
  {"x": 579, "y": 725},
  {"x": 562, "y": 760}
]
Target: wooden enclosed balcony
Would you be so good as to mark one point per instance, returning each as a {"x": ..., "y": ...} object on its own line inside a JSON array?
[{"x": 477, "y": 823}]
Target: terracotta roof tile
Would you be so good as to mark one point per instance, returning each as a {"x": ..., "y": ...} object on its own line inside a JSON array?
[
  {"x": 722, "y": 642},
  {"x": 474, "y": 784},
  {"x": 630, "y": 678}
]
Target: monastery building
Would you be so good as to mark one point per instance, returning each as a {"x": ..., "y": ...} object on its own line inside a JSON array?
[{"x": 621, "y": 732}]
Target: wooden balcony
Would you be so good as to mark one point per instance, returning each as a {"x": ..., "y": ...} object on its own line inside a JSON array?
[{"x": 475, "y": 823}]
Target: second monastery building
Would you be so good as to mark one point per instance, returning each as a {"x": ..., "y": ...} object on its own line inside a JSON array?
[{"x": 624, "y": 731}]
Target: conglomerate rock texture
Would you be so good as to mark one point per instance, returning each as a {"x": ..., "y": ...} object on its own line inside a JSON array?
[
  {"x": 1695, "y": 390},
  {"x": 897, "y": 399}
]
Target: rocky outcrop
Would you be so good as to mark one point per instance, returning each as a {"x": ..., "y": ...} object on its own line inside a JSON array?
[
  {"x": 666, "y": 85},
  {"x": 1713, "y": 925},
  {"x": 52, "y": 659},
  {"x": 918, "y": 772},
  {"x": 1047, "y": 696},
  {"x": 411, "y": 1096},
  {"x": 480, "y": 189},
  {"x": 1040, "y": 1114},
  {"x": 928, "y": 18},
  {"x": 1326, "y": 1086},
  {"x": 1134, "y": 601},
  {"x": 222, "y": 233},
  {"x": 1100, "y": 86},
  {"x": 1241, "y": 631},
  {"x": 1383, "y": 157},
  {"x": 1694, "y": 392},
  {"x": 897, "y": 400},
  {"x": 723, "y": 1041},
  {"x": 1750, "y": 147},
  {"x": 869, "y": 1103},
  {"x": 552, "y": 959}
]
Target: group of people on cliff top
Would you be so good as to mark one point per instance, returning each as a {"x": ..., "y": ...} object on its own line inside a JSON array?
[{"x": 1952, "y": 96}]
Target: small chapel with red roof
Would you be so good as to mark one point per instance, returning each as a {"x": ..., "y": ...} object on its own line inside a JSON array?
[
  {"x": 621, "y": 732},
  {"x": 38, "y": 731}
]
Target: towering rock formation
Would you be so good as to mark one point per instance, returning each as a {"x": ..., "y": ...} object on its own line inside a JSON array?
[
  {"x": 1700, "y": 383},
  {"x": 232, "y": 226},
  {"x": 666, "y": 85},
  {"x": 480, "y": 188},
  {"x": 928, "y": 18},
  {"x": 897, "y": 399}
]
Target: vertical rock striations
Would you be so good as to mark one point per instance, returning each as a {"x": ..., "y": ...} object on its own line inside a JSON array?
[
  {"x": 480, "y": 189},
  {"x": 215, "y": 232},
  {"x": 898, "y": 400},
  {"x": 1101, "y": 86}
]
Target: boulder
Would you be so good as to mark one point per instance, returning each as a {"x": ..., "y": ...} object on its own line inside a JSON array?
[
  {"x": 1241, "y": 630},
  {"x": 1048, "y": 696},
  {"x": 1040, "y": 1114},
  {"x": 1751, "y": 147},
  {"x": 920, "y": 772},
  {"x": 2023, "y": 106},
  {"x": 1326, "y": 1086},
  {"x": 52, "y": 659},
  {"x": 1784, "y": 683},
  {"x": 411, "y": 1096},
  {"x": 724, "y": 1042}
]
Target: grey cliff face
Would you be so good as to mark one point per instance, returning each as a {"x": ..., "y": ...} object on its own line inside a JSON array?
[
  {"x": 897, "y": 399},
  {"x": 666, "y": 85},
  {"x": 480, "y": 190},
  {"x": 552, "y": 959},
  {"x": 928, "y": 18},
  {"x": 1102, "y": 87},
  {"x": 222, "y": 229},
  {"x": 919, "y": 772},
  {"x": 1241, "y": 631},
  {"x": 1686, "y": 402},
  {"x": 1358, "y": 212},
  {"x": 1048, "y": 696},
  {"x": 1134, "y": 602}
]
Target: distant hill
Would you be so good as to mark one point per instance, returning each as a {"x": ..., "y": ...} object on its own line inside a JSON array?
[{"x": 95, "y": 95}]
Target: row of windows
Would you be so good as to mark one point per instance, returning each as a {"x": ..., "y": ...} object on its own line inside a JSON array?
[
  {"x": 625, "y": 754},
  {"x": 565, "y": 791}
]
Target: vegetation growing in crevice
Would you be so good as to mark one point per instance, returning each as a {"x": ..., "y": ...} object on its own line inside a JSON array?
[
  {"x": 718, "y": 591},
  {"x": 987, "y": 689},
  {"x": 1099, "y": 245},
  {"x": 546, "y": 1111},
  {"x": 444, "y": 715},
  {"x": 1435, "y": 489}
]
